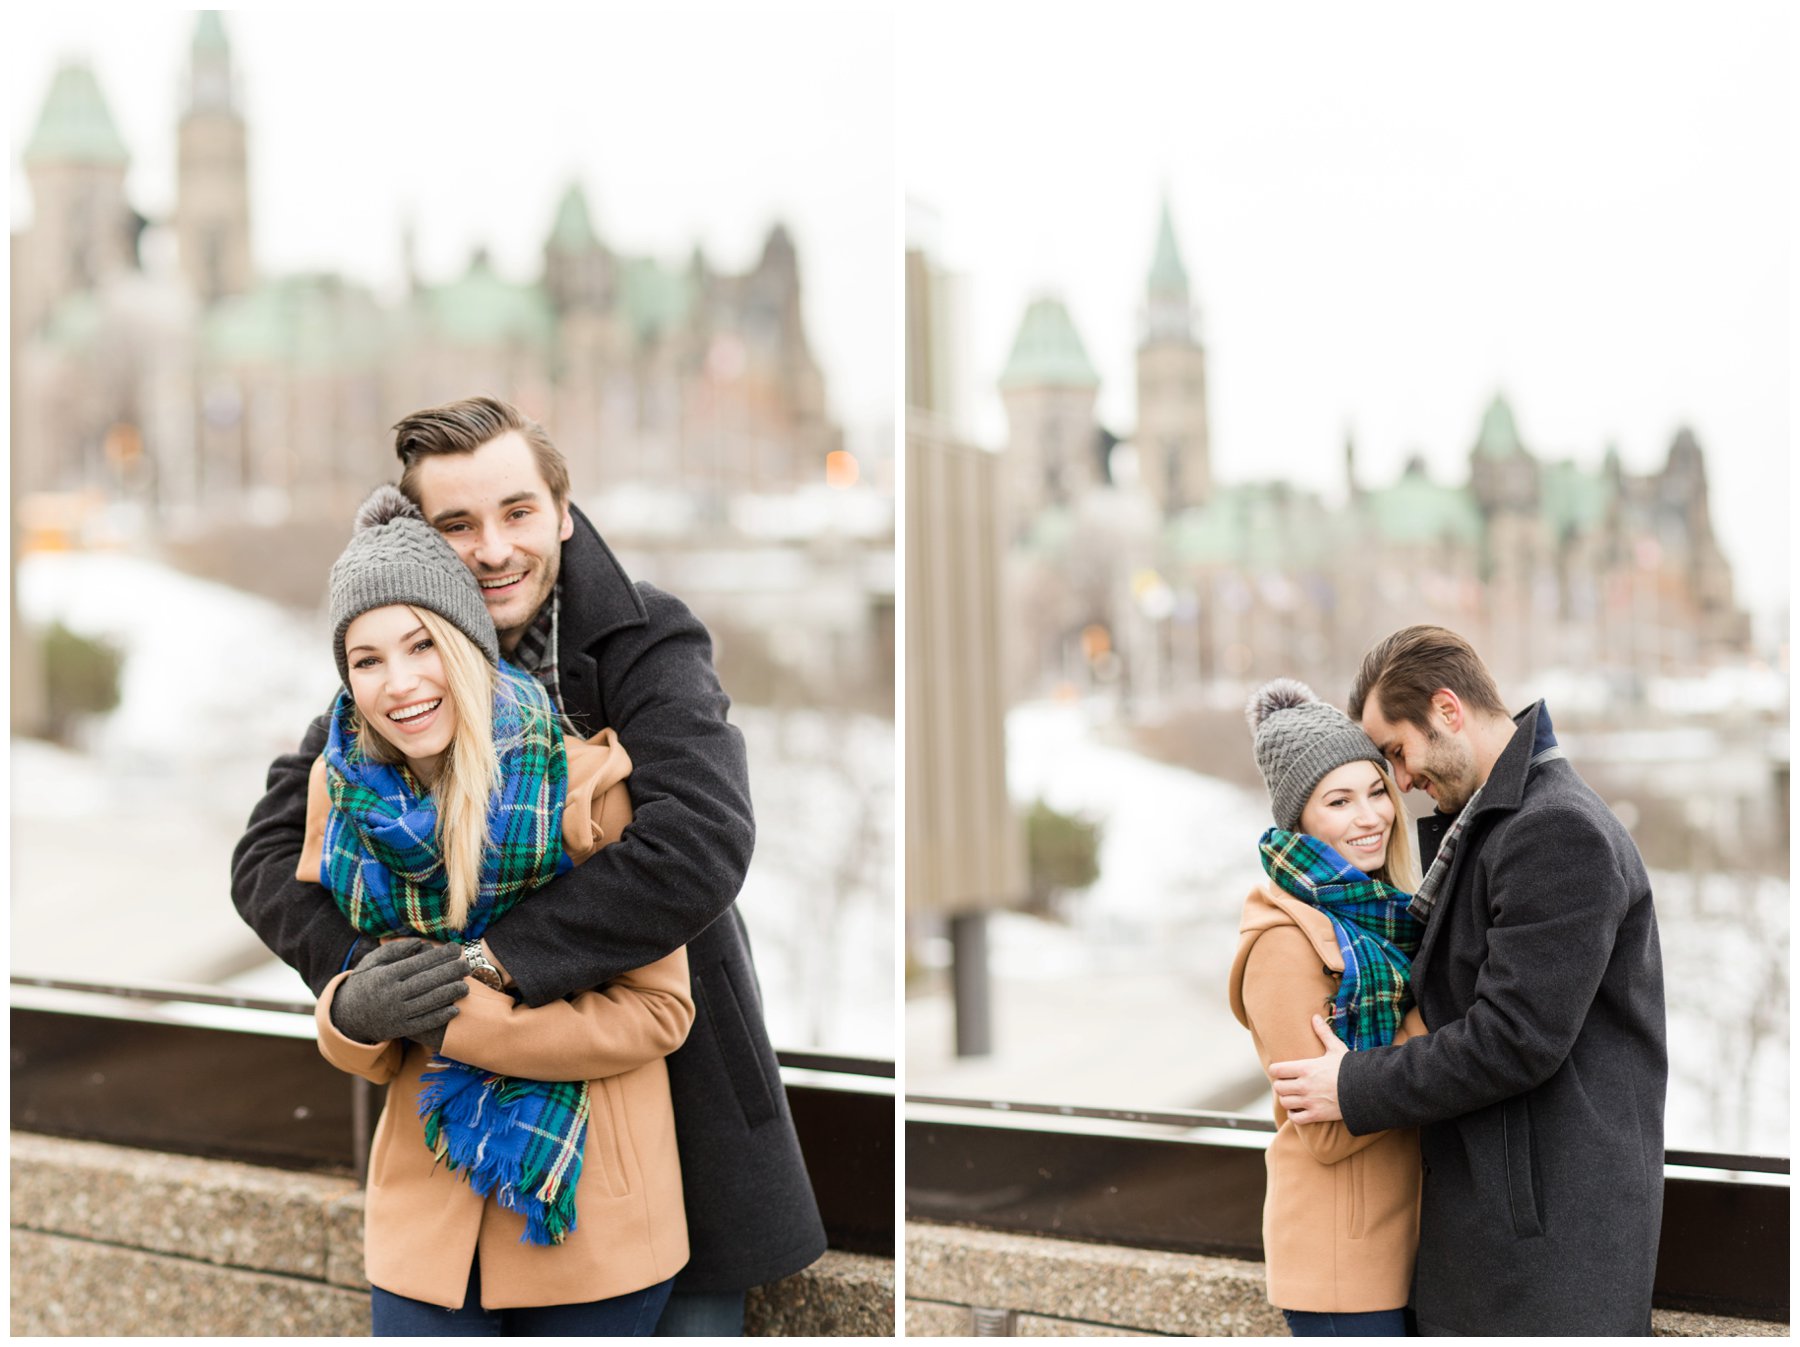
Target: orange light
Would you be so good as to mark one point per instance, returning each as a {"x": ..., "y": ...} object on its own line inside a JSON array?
[
  {"x": 122, "y": 444},
  {"x": 841, "y": 469},
  {"x": 1096, "y": 641}
]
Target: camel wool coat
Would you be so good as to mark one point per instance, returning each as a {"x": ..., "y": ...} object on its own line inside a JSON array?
[
  {"x": 423, "y": 1225},
  {"x": 1341, "y": 1215}
]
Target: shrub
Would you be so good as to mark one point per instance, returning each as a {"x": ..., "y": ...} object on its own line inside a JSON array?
[
  {"x": 81, "y": 678},
  {"x": 1062, "y": 853}
]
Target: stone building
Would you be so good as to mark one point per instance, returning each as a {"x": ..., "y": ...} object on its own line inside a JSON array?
[
  {"x": 160, "y": 368},
  {"x": 1131, "y": 566}
]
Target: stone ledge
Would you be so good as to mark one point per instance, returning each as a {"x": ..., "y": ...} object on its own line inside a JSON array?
[
  {"x": 213, "y": 1211},
  {"x": 88, "y": 1218},
  {"x": 841, "y": 1295},
  {"x": 69, "y": 1287},
  {"x": 1091, "y": 1284},
  {"x": 1060, "y": 1288}
]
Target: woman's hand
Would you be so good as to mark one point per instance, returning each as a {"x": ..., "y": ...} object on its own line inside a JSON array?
[{"x": 403, "y": 989}]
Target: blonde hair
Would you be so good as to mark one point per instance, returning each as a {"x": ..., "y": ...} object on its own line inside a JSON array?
[
  {"x": 1401, "y": 869},
  {"x": 470, "y": 773}
]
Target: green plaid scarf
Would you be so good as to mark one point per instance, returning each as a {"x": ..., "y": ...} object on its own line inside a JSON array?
[
  {"x": 519, "y": 1140},
  {"x": 1375, "y": 932}
]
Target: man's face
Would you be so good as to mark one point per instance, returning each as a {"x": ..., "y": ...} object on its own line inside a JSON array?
[
  {"x": 1440, "y": 762},
  {"x": 495, "y": 510}
]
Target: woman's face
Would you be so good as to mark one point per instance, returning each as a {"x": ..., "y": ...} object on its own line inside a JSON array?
[
  {"x": 397, "y": 681},
  {"x": 1351, "y": 812}
]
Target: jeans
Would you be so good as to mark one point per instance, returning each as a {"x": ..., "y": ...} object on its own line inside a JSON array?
[
  {"x": 703, "y": 1314},
  {"x": 1368, "y": 1324},
  {"x": 632, "y": 1315}
]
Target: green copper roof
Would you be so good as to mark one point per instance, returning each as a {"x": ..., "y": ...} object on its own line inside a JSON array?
[
  {"x": 1574, "y": 501},
  {"x": 1499, "y": 438},
  {"x": 573, "y": 229},
  {"x": 310, "y": 322},
  {"x": 1167, "y": 275},
  {"x": 1416, "y": 509},
  {"x": 654, "y": 300},
  {"x": 75, "y": 126},
  {"x": 1047, "y": 352},
  {"x": 1265, "y": 526},
  {"x": 209, "y": 33},
  {"x": 484, "y": 309}
]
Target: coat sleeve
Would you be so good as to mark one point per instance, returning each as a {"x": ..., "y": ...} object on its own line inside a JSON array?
[
  {"x": 640, "y": 1016},
  {"x": 299, "y": 922},
  {"x": 1285, "y": 985},
  {"x": 378, "y": 1062},
  {"x": 681, "y": 862},
  {"x": 1558, "y": 895}
]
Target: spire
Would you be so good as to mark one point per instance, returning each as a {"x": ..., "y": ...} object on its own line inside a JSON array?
[
  {"x": 1167, "y": 275},
  {"x": 1499, "y": 437},
  {"x": 209, "y": 67},
  {"x": 574, "y": 228},
  {"x": 1168, "y": 313},
  {"x": 209, "y": 33},
  {"x": 1048, "y": 351},
  {"x": 75, "y": 126}
]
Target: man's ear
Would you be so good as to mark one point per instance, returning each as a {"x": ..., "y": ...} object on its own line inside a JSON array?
[
  {"x": 1447, "y": 709},
  {"x": 567, "y": 530}
]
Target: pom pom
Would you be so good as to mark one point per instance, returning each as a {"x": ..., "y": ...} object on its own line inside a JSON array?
[
  {"x": 385, "y": 503},
  {"x": 1276, "y": 695}
]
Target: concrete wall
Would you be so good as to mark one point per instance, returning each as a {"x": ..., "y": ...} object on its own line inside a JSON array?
[
  {"x": 111, "y": 1241},
  {"x": 1025, "y": 1286}
]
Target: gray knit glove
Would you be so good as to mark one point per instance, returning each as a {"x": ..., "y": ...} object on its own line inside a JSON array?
[{"x": 403, "y": 989}]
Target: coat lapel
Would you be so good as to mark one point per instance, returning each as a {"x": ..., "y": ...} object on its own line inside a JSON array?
[
  {"x": 598, "y": 599},
  {"x": 1504, "y": 789}
]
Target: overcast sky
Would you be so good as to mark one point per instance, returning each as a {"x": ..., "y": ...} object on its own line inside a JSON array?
[
  {"x": 1388, "y": 213},
  {"x": 684, "y": 123}
]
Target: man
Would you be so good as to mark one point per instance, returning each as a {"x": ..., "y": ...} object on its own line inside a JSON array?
[
  {"x": 628, "y": 656},
  {"x": 1539, "y": 1091}
]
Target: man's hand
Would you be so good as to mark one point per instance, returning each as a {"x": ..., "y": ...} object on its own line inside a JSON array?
[
  {"x": 1307, "y": 1089},
  {"x": 402, "y": 989}
]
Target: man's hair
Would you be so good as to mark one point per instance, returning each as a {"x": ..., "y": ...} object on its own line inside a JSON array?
[
  {"x": 1404, "y": 670},
  {"x": 462, "y": 428}
]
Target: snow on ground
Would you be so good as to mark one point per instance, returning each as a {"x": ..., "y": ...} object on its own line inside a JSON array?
[
  {"x": 1123, "y": 1005},
  {"x": 217, "y": 682}
]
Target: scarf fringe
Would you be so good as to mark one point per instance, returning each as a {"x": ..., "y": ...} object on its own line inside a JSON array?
[{"x": 468, "y": 1133}]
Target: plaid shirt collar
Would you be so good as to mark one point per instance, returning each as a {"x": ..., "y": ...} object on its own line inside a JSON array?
[{"x": 538, "y": 652}]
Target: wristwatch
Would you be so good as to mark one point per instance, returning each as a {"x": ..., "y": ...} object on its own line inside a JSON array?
[{"x": 481, "y": 968}]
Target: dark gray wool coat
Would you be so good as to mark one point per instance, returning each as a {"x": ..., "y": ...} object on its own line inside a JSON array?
[
  {"x": 1539, "y": 1091},
  {"x": 636, "y": 659}
]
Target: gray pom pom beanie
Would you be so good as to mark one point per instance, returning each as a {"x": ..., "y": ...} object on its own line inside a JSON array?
[
  {"x": 1299, "y": 739},
  {"x": 394, "y": 556}
]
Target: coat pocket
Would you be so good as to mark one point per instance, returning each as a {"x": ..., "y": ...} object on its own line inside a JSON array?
[
  {"x": 721, "y": 1008},
  {"x": 604, "y": 1153},
  {"x": 1355, "y": 1197},
  {"x": 1522, "y": 1187}
]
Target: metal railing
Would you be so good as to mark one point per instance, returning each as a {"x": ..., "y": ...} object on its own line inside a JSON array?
[
  {"x": 158, "y": 1082},
  {"x": 1167, "y": 1179}
]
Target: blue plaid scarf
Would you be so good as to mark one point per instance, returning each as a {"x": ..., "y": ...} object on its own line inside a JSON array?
[
  {"x": 1375, "y": 932},
  {"x": 517, "y": 1140}
]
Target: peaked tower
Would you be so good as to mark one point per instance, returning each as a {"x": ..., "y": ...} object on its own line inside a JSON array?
[
  {"x": 82, "y": 229},
  {"x": 1174, "y": 451},
  {"x": 212, "y": 188},
  {"x": 1049, "y": 387},
  {"x": 578, "y": 271}
]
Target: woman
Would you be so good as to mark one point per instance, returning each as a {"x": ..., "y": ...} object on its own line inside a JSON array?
[
  {"x": 524, "y": 1177},
  {"x": 1328, "y": 932}
]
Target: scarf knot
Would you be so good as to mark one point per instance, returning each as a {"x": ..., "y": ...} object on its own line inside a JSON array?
[
  {"x": 519, "y": 1141},
  {"x": 1375, "y": 933}
]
